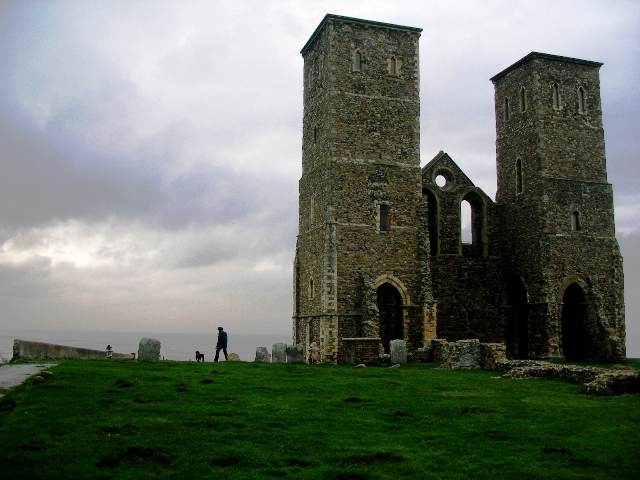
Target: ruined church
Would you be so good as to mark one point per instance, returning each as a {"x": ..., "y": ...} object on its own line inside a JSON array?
[{"x": 379, "y": 253}]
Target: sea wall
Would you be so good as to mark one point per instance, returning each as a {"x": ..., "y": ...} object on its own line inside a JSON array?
[{"x": 26, "y": 349}]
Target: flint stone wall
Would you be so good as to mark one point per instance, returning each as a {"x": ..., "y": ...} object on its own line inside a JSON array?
[
  {"x": 149, "y": 350},
  {"x": 26, "y": 349},
  {"x": 360, "y": 350},
  {"x": 463, "y": 354},
  {"x": 568, "y": 373},
  {"x": 361, "y": 150},
  {"x": 616, "y": 382},
  {"x": 596, "y": 381}
]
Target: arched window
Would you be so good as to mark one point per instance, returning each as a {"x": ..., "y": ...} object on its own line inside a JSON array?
[
  {"x": 357, "y": 61},
  {"x": 466, "y": 221},
  {"x": 556, "y": 96},
  {"x": 581, "y": 104},
  {"x": 575, "y": 221},
  {"x": 432, "y": 207},
  {"x": 311, "y": 289},
  {"x": 384, "y": 218},
  {"x": 523, "y": 99},
  {"x": 518, "y": 176},
  {"x": 472, "y": 225},
  {"x": 392, "y": 66},
  {"x": 506, "y": 109}
]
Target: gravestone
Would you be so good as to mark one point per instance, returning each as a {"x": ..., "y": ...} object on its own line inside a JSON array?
[
  {"x": 398, "y": 351},
  {"x": 233, "y": 357},
  {"x": 149, "y": 350},
  {"x": 279, "y": 353},
  {"x": 295, "y": 353},
  {"x": 262, "y": 355}
]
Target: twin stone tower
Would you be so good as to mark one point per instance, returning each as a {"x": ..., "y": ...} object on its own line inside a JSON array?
[{"x": 379, "y": 254}]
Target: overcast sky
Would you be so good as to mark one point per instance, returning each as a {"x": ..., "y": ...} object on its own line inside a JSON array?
[{"x": 150, "y": 151}]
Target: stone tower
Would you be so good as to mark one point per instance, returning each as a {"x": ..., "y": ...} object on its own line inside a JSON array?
[
  {"x": 359, "y": 269},
  {"x": 561, "y": 259}
]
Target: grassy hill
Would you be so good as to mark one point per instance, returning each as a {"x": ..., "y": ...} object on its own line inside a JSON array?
[{"x": 122, "y": 419}]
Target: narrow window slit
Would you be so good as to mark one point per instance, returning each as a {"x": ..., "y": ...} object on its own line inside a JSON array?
[
  {"x": 575, "y": 221},
  {"x": 581, "y": 100},
  {"x": 384, "y": 218},
  {"x": 556, "y": 96}
]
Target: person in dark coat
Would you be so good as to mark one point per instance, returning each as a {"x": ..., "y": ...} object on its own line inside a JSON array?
[{"x": 221, "y": 345}]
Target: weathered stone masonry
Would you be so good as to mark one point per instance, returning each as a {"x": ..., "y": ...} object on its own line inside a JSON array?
[{"x": 379, "y": 251}]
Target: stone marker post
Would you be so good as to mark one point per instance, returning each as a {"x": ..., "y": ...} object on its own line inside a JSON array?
[
  {"x": 149, "y": 350},
  {"x": 279, "y": 353},
  {"x": 295, "y": 353},
  {"x": 262, "y": 355},
  {"x": 398, "y": 351}
]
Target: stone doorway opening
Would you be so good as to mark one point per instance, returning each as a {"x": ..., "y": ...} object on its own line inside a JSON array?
[
  {"x": 573, "y": 321},
  {"x": 390, "y": 308},
  {"x": 517, "y": 311}
]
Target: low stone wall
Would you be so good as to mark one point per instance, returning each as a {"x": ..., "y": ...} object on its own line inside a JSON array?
[
  {"x": 568, "y": 373},
  {"x": 596, "y": 381},
  {"x": 463, "y": 354},
  {"x": 360, "y": 351},
  {"x": 613, "y": 382},
  {"x": 26, "y": 349}
]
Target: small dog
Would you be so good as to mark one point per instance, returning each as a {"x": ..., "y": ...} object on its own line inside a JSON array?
[{"x": 199, "y": 356}]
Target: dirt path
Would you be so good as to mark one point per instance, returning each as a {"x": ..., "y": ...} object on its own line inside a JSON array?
[{"x": 13, "y": 375}]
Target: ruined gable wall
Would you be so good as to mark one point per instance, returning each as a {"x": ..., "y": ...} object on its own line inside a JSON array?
[{"x": 467, "y": 282}]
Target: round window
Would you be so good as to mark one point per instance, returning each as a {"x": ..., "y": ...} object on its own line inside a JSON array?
[{"x": 441, "y": 181}]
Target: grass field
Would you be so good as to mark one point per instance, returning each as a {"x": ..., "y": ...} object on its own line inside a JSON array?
[{"x": 122, "y": 419}]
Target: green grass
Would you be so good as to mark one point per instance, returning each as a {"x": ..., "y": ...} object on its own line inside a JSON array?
[{"x": 122, "y": 419}]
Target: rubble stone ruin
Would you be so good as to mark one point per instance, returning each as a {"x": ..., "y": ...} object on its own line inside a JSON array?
[{"x": 379, "y": 251}]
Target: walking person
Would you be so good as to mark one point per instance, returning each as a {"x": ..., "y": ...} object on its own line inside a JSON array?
[
  {"x": 221, "y": 345},
  {"x": 109, "y": 351}
]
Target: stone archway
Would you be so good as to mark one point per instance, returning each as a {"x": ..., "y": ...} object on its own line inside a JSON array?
[
  {"x": 391, "y": 314},
  {"x": 573, "y": 321}
]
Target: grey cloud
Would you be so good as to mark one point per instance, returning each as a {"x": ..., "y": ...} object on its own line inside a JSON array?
[{"x": 26, "y": 281}]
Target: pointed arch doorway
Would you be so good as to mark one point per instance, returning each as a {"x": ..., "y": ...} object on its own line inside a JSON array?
[
  {"x": 391, "y": 316},
  {"x": 517, "y": 310},
  {"x": 573, "y": 321}
]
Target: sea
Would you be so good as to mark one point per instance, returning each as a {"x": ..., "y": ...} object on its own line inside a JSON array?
[{"x": 174, "y": 346}]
